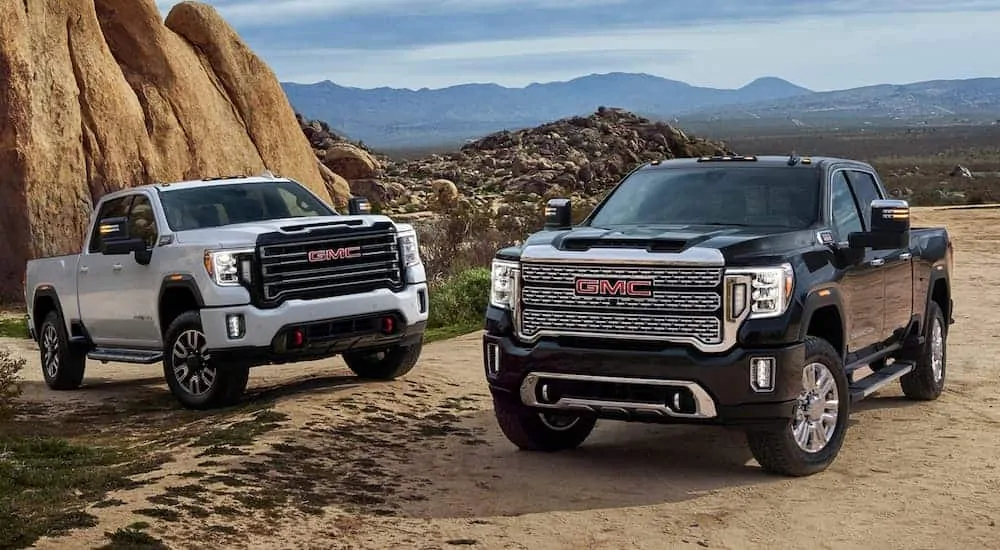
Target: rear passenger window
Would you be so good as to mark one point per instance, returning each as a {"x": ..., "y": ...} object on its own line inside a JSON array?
[
  {"x": 845, "y": 211},
  {"x": 116, "y": 208}
]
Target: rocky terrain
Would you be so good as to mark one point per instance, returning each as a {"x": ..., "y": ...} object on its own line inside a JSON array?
[
  {"x": 579, "y": 157},
  {"x": 97, "y": 95}
]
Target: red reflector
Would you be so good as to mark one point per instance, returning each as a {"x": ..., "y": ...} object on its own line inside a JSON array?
[
  {"x": 297, "y": 337},
  {"x": 387, "y": 324}
]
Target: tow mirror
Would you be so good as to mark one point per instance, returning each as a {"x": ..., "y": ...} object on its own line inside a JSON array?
[
  {"x": 890, "y": 226},
  {"x": 558, "y": 214},
  {"x": 116, "y": 241},
  {"x": 358, "y": 206}
]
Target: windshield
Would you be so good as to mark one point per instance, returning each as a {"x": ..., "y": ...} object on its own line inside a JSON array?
[
  {"x": 215, "y": 205},
  {"x": 743, "y": 196}
]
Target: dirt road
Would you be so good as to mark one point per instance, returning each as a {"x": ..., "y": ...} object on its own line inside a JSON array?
[{"x": 419, "y": 463}]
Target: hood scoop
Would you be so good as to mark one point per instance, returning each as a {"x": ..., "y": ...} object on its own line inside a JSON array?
[{"x": 650, "y": 244}]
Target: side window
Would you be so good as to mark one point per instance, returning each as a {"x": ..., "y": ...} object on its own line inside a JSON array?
[
  {"x": 845, "y": 211},
  {"x": 866, "y": 190},
  {"x": 117, "y": 208},
  {"x": 141, "y": 221}
]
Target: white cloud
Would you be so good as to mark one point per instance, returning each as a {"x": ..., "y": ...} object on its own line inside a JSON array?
[{"x": 829, "y": 52}]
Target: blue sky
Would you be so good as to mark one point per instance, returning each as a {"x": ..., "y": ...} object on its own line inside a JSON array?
[{"x": 819, "y": 44}]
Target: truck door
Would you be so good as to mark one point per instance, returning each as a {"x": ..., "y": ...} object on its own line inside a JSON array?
[
  {"x": 99, "y": 283},
  {"x": 895, "y": 264},
  {"x": 862, "y": 283},
  {"x": 140, "y": 284}
]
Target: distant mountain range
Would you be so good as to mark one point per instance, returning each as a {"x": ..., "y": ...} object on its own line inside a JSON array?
[{"x": 398, "y": 118}]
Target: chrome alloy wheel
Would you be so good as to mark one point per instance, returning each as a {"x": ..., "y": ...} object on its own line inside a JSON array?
[
  {"x": 50, "y": 349},
  {"x": 937, "y": 351},
  {"x": 190, "y": 361},
  {"x": 818, "y": 409},
  {"x": 558, "y": 422}
]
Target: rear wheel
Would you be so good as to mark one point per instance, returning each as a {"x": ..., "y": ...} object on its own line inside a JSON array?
[
  {"x": 63, "y": 365},
  {"x": 926, "y": 381},
  {"x": 533, "y": 430},
  {"x": 384, "y": 364},
  {"x": 194, "y": 378},
  {"x": 813, "y": 437}
]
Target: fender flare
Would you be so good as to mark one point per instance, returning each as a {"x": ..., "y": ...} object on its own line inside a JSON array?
[
  {"x": 180, "y": 280},
  {"x": 45, "y": 291},
  {"x": 819, "y": 298}
]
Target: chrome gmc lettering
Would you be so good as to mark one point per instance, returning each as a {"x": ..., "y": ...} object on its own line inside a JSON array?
[
  {"x": 334, "y": 254},
  {"x": 611, "y": 287}
]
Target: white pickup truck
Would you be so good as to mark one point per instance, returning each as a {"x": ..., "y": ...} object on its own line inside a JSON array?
[{"x": 213, "y": 277}]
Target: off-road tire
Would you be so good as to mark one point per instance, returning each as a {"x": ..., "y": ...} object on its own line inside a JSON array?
[
  {"x": 523, "y": 426},
  {"x": 229, "y": 383},
  {"x": 69, "y": 361},
  {"x": 920, "y": 383},
  {"x": 776, "y": 450},
  {"x": 384, "y": 365}
]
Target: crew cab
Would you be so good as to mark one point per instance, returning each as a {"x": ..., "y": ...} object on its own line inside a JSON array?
[
  {"x": 762, "y": 293},
  {"x": 213, "y": 277}
]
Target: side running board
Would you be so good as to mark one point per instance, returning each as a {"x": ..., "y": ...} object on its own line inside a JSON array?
[
  {"x": 137, "y": 356},
  {"x": 878, "y": 380}
]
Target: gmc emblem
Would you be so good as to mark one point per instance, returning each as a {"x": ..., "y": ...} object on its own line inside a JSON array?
[
  {"x": 334, "y": 254},
  {"x": 613, "y": 287}
]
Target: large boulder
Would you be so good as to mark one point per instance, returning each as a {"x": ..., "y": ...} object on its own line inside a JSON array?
[
  {"x": 98, "y": 95},
  {"x": 350, "y": 161}
]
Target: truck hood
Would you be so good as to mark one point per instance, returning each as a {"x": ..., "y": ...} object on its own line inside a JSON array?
[
  {"x": 734, "y": 242},
  {"x": 245, "y": 234}
]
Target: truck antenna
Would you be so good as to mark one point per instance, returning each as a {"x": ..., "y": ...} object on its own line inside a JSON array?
[{"x": 792, "y": 158}]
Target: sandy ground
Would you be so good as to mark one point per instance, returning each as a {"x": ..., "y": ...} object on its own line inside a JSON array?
[{"x": 420, "y": 463}]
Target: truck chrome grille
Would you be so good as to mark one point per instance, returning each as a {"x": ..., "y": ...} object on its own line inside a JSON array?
[
  {"x": 684, "y": 303},
  {"x": 287, "y": 272}
]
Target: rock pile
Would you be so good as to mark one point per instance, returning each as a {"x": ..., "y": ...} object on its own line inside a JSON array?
[{"x": 580, "y": 157}]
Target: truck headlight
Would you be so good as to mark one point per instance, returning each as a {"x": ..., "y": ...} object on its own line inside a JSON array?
[
  {"x": 769, "y": 292},
  {"x": 228, "y": 267},
  {"x": 502, "y": 278},
  {"x": 408, "y": 249}
]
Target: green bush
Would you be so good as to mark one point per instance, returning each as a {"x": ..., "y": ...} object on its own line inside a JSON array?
[
  {"x": 460, "y": 300},
  {"x": 10, "y": 380}
]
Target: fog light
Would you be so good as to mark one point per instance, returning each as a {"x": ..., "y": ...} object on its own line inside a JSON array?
[
  {"x": 235, "y": 326},
  {"x": 762, "y": 374},
  {"x": 492, "y": 359}
]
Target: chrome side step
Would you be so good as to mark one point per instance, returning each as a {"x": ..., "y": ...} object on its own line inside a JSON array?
[
  {"x": 878, "y": 380},
  {"x": 136, "y": 356},
  {"x": 703, "y": 404}
]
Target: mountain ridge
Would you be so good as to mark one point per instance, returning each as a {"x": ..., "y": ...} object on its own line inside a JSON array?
[{"x": 387, "y": 117}]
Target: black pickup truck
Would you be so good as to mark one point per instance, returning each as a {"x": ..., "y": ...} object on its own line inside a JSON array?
[{"x": 741, "y": 291}]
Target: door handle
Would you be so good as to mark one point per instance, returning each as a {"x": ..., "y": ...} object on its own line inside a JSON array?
[
  {"x": 117, "y": 267},
  {"x": 84, "y": 269},
  {"x": 877, "y": 262},
  {"x": 905, "y": 256}
]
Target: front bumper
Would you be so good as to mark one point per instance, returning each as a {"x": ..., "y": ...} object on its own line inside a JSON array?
[
  {"x": 327, "y": 326},
  {"x": 667, "y": 385}
]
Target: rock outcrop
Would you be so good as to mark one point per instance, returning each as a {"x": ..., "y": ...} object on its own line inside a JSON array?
[
  {"x": 97, "y": 95},
  {"x": 581, "y": 157}
]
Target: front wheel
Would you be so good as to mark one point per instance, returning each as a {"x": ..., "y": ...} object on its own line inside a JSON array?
[
  {"x": 193, "y": 377},
  {"x": 535, "y": 430},
  {"x": 62, "y": 364},
  {"x": 813, "y": 437},
  {"x": 384, "y": 364}
]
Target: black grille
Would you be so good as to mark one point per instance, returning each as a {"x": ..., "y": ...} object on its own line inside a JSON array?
[{"x": 287, "y": 272}]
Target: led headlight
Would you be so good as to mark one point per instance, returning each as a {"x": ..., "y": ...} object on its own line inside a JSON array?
[
  {"x": 502, "y": 278},
  {"x": 224, "y": 266},
  {"x": 408, "y": 248},
  {"x": 768, "y": 294}
]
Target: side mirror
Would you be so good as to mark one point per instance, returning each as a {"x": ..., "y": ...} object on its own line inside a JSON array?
[
  {"x": 358, "y": 206},
  {"x": 558, "y": 214},
  {"x": 890, "y": 226},
  {"x": 115, "y": 240}
]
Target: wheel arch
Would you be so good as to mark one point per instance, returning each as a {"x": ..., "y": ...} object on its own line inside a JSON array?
[
  {"x": 823, "y": 317},
  {"x": 44, "y": 301},
  {"x": 178, "y": 293}
]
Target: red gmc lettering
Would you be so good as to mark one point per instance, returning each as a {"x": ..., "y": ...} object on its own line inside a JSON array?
[
  {"x": 334, "y": 254},
  {"x": 606, "y": 287}
]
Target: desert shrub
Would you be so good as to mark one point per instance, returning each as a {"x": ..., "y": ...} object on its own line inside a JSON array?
[
  {"x": 461, "y": 299},
  {"x": 11, "y": 366}
]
